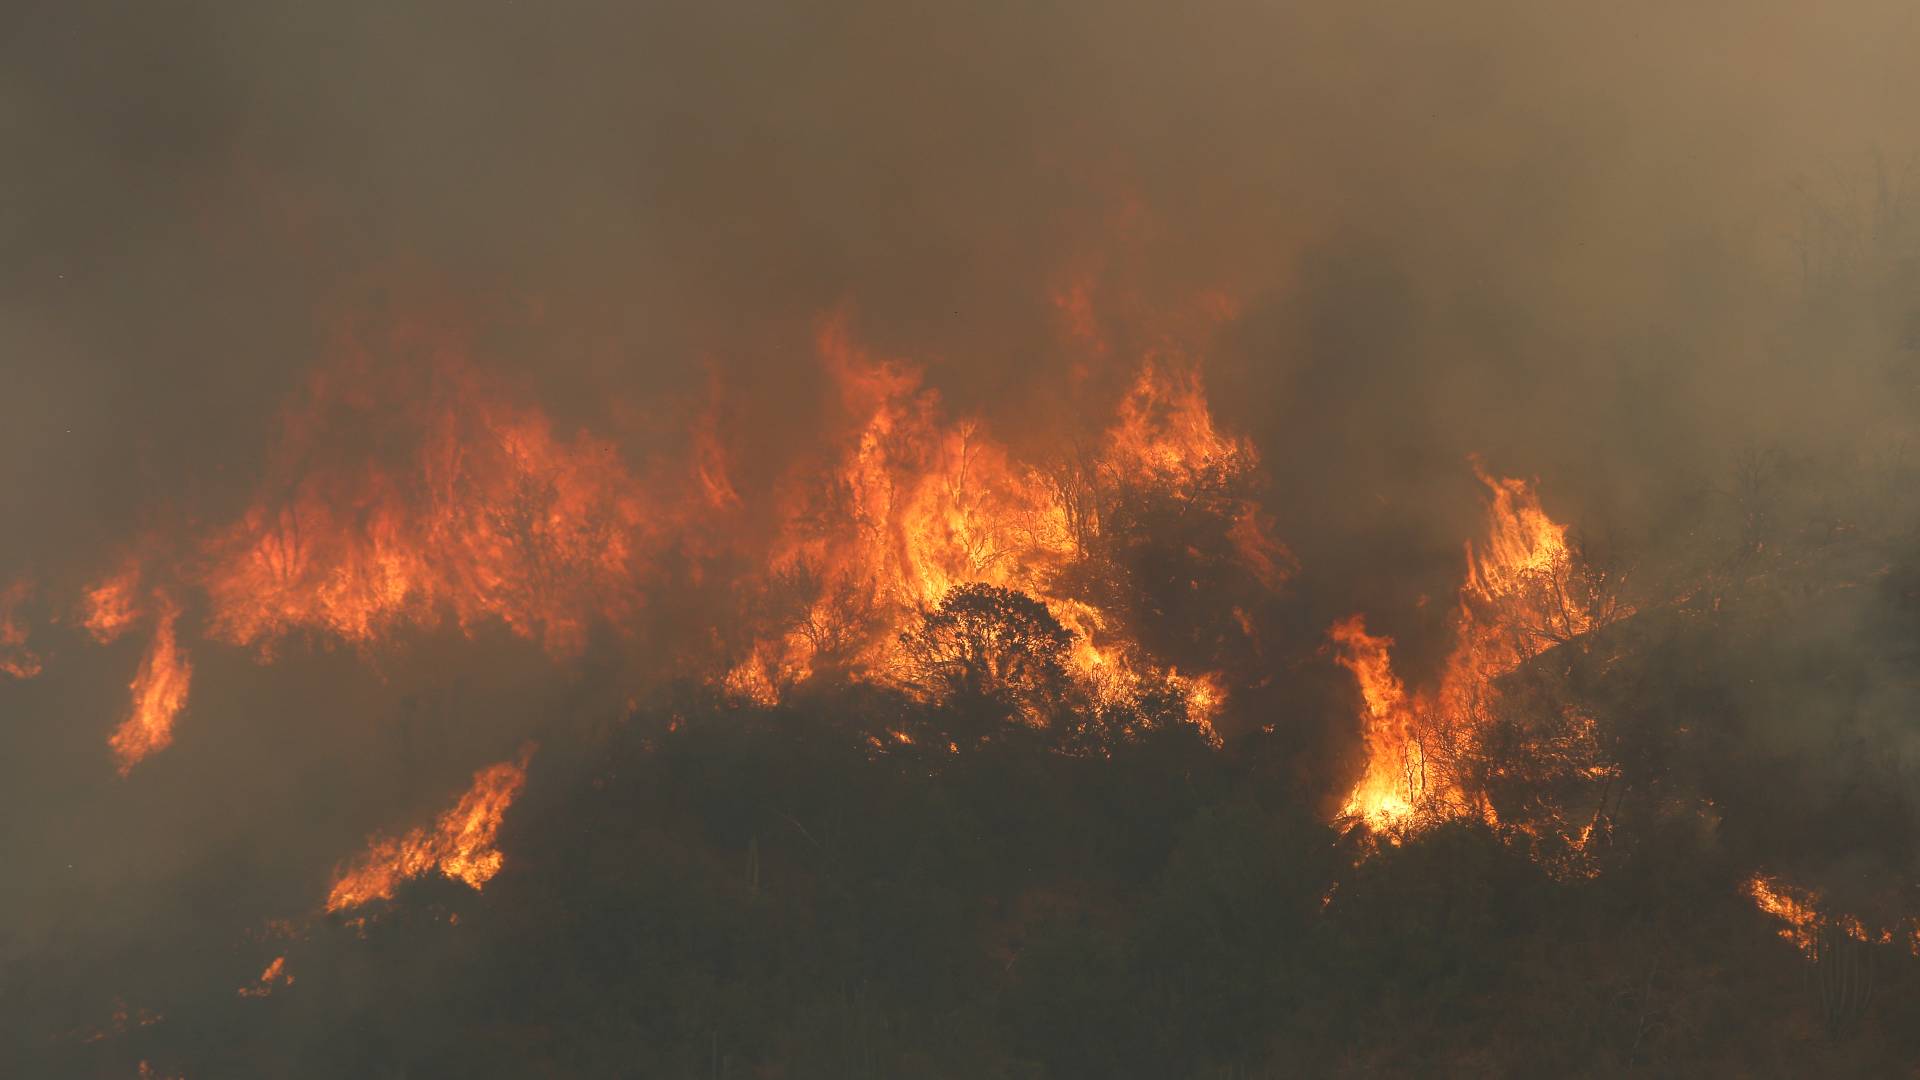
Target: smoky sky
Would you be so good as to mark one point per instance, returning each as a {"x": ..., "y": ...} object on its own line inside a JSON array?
[
  {"x": 1613, "y": 246},
  {"x": 1484, "y": 227}
]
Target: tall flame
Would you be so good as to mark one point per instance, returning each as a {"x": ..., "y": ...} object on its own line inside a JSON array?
[
  {"x": 1515, "y": 602},
  {"x": 460, "y": 844},
  {"x": 159, "y": 693},
  {"x": 1392, "y": 783}
]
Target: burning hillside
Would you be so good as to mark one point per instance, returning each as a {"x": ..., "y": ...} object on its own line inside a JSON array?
[
  {"x": 966, "y": 601},
  {"x": 996, "y": 541}
]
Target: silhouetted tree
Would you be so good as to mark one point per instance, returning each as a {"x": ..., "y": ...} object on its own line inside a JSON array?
[{"x": 984, "y": 648}]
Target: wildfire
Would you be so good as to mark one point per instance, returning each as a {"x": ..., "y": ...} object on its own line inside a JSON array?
[
  {"x": 482, "y": 512},
  {"x": 1393, "y": 781},
  {"x": 1205, "y": 698},
  {"x": 1806, "y": 921},
  {"x": 1165, "y": 432},
  {"x": 459, "y": 845},
  {"x": 916, "y": 505},
  {"x": 1796, "y": 909},
  {"x": 273, "y": 978},
  {"x": 399, "y": 495},
  {"x": 1515, "y": 602},
  {"x": 112, "y": 606},
  {"x": 159, "y": 693},
  {"x": 406, "y": 489}
]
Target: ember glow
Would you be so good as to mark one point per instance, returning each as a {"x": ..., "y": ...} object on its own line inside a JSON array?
[{"x": 274, "y": 977}]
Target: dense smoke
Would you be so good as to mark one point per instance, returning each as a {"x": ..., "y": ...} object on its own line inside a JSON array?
[{"x": 1644, "y": 253}]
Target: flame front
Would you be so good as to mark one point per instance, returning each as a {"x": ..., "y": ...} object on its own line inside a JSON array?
[
  {"x": 916, "y": 506},
  {"x": 406, "y": 490},
  {"x": 1807, "y": 922},
  {"x": 460, "y": 844},
  {"x": 489, "y": 516}
]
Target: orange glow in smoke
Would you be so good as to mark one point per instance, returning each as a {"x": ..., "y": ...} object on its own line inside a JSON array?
[
  {"x": 112, "y": 606},
  {"x": 159, "y": 693},
  {"x": 15, "y": 658},
  {"x": 273, "y": 978}
]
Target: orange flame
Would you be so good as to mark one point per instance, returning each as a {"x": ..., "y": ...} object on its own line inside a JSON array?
[
  {"x": 273, "y": 978},
  {"x": 460, "y": 844},
  {"x": 916, "y": 505},
  {"x": 398, "y": 494},
  {"x": 1796, "y": 909},
  {"x": 1392, "y": 783},
  {"x": 1165, "y": 430},
  {"x": 488, "y": 515},
  {"x": 401, "y": 495},
  {"x": 1516, "y": 601},
  {"x": 112, "y": 606},
  {"x": 159, "y": 693},
  {"x": 1807, "y": 922}
]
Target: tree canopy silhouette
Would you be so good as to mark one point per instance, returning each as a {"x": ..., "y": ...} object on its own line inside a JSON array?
[{"x": 985, "y": 644}]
